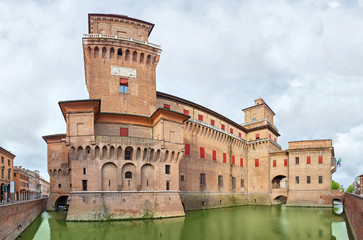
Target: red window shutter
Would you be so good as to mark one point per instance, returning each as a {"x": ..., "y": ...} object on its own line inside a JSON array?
[
  {"x": 274, "y": 163},
  {"x": 320, "y": 159},
  {"x": 308, "y": 160},
  {"x": 186, "y": 112},
  {"x": 214, "y": 153},
  {"x": 275, "y": 140},
  {"x": 124, "y": 81},
  {"x": 257, "y": 136},
  {"x": 241, "y": 160},
  {"x": 200, "y": 117},
  {"x": 233, "y": 160},
  {"x": 167, "y": 106},
  {"x": 187, "y": 149},
  {"x": 224, "y": 157},
  {"x": 285, "y": 162},
  {"x": 269, "y": 136},
  {"x": 231, "y": 130},
  {"x": 202, "y": 155},
  {"x": 124, "y": 132},
  {"x": 212, "y": 122},
  {"x": 223, "y": 127},
  {"x": 239, "y": 135},
  {"x": 257, "y": 162}
]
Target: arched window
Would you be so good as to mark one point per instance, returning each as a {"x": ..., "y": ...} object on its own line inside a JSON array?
[
  {"x": 128, "y": 153},
  {"x": 119, "y": 52},
  {"x": 134, "y": 56},
  {"x": 128, "y": 174},
  {"x": 96, "y": 52},
  {"x": 127, "y": 57},
  {"x": 104, "y": 51},
  {"x": 112, "y": 52}
]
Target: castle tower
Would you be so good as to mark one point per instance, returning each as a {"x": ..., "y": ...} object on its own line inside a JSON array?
[
  {"x": 120, "y": 64},
  {"x": 262, "y": 137}
]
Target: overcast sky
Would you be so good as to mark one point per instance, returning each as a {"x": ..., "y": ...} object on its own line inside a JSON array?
[{"x": 304, "y": 58}]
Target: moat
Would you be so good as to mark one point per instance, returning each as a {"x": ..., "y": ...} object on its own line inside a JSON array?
[{"x": 247, "y": 222}]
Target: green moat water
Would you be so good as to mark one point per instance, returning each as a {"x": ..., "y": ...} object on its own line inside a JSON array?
[{"x": 246, "y": 222}]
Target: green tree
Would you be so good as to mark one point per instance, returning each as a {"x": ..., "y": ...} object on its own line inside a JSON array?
[
  {"x": 335, "y": 185},
  {"x": 350, "y": 189}
]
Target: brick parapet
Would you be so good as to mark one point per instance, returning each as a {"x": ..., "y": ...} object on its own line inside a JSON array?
[
  {"x": 15, "y": 218},
  {"x": 354, "y": 210}
]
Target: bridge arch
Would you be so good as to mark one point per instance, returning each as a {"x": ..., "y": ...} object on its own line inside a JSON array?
[
  {"x": 62, "y": 203},
  {"x": 281, "y": 199}
]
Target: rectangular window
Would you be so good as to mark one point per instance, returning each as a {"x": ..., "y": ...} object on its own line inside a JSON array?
[
  {"x": 275, "y": 140},
  {"x": 214, "y": 155},
  {"x": 242, "y": 183},
  {"x": 233, "y": 182},
  {"x": 297, "y": 160},
  {"x": 220, "y": 180},
  {"x": 84, "y": 170},
  {"x": 257, "y": 162},
  {"x": 274, "y": 163},
  {"x": 269, "y": 136},
  {"x": 202, "y": 155},
  {"x": 2, "y": 159},
  {"x": 233, "y": 160},
  {"x": 241, "y": 162},
  {"x": 212, "y": 122},
  {"x": 239, "y": 135},
  {"x": 182, "y": 177},
  {"x": 231, "y": 130},
  {"x": 14, "y": 174},
  {"x": 297, "y": 179},
  {"x": 224, "y": 157},
  {"x": 124, "y": 85},
  {"x": 320, "y": 179},
  {"x": 308, "y": 179},
  {"x": 124, "y": 132},
  {"x": 167, "y": 185},
  {"x": 308, "y": 160},
  {"x": 186, "y": 112},
  {"x": 320, "y": 159},
  {"x": 59, "y": 185},
  {"x": 167, "y": 169},
  {"x": 202, "y": 179},
  {"x": 257, "y": 136},
  {"x": 200, "y": 117},
  {"x": 187, "y": 149},
  {"x": 167, "y": 106},
  {"x": 285, "y": 162},
  {"x": 9, "y": 162},
  {"x": 223, "y": 127},
  {"x": 84, "y": 185}
]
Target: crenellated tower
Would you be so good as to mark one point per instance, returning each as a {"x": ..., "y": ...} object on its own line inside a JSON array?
[{"x": 120, "y": 64}]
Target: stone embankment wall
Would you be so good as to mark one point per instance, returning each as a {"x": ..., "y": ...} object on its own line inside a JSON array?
[
  {"x": 354, "y": 209},
  {"x": 15, "y": 218}
]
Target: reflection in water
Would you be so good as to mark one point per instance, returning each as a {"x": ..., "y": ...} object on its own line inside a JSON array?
[
  {"x": 248, "y": 222},
  {"x": 338, "y": 208}
]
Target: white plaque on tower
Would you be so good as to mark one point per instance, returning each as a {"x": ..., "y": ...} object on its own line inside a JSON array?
[{"x": 123, "y": 71}]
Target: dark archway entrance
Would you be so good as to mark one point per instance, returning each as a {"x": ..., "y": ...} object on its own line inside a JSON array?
[
  {"x": 280, "y": 200},
  {"x": 62, "y": 203}
]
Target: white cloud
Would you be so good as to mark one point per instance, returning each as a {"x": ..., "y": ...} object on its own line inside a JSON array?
[{"x": 348, "y": 147}]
